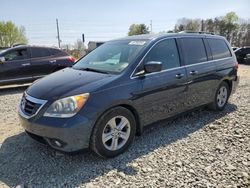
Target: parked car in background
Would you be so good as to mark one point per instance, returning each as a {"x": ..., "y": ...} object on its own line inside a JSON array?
[
  {"x": 24, "y": 63},
  {"x": 241, "y": 54},
  {"x": 120, "y": 87},
  {"x": 247, "y": 59}
]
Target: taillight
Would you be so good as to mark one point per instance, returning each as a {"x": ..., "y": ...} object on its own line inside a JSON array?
[
  {"x": 237, "y": 66},
  {"x": 71, "y": 59}
]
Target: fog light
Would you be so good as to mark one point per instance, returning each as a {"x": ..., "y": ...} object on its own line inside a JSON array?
[{"x": 58, "y": 143}]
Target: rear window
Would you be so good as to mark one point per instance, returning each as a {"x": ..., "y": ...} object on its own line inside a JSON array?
[
  {"x": 40, "y": 52},
  {"x": 219, "y": 48},
  {"x": 194, "y": 50}
]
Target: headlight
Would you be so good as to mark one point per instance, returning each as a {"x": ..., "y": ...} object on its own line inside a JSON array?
[{"x": 67, "y": 107}]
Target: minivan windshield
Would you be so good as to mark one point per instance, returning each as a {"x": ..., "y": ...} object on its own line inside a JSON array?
[
  {"x": 111, "y": 57},
  {"x": 2, "y": 52}
]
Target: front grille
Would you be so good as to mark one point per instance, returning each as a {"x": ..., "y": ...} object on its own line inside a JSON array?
[{"x": 30, "y": 106}]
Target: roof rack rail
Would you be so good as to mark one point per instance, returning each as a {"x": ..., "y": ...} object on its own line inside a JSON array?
[{"x": 199, "y": 32}]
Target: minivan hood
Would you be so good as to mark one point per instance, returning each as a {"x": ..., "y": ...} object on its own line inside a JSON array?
[{"x": 65, "y": 82}]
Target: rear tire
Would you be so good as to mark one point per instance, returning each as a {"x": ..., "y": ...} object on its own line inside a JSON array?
[
  {"x": 113, "y": 133},
  {"x": 221, "y": 97}
]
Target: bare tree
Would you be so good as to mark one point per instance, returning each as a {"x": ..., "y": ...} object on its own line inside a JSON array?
[{"x": 236, "y": 30}]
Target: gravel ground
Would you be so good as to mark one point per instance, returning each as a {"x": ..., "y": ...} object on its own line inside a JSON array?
[{"x": 200, "y": 149}]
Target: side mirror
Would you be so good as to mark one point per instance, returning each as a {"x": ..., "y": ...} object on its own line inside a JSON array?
[
  {"x": 152, "y": 66},
  {"x": 2, "y": 59}
]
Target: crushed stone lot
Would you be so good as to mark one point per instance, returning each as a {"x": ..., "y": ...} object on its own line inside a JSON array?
[{"x": 200, "y": 149}]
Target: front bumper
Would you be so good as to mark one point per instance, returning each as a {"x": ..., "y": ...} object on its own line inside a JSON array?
[{"x": 72, "y": 134}]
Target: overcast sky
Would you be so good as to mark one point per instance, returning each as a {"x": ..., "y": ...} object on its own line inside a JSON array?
[{"x": 104, "y": 20}]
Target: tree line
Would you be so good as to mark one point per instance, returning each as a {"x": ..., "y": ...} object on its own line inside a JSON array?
[
  {"x": 235, "y": 29},
  {"x": 11, "y": 34}
]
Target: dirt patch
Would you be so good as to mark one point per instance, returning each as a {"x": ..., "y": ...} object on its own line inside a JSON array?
[{"x": 244, "y": 70}]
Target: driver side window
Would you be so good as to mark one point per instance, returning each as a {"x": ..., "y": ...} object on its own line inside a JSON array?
[
  {"x": 165, "y": 52},
  {"x": 19, "y": 54}
]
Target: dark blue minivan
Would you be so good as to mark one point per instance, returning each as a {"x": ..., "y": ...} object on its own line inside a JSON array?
[{"x": 115, "y": 91}]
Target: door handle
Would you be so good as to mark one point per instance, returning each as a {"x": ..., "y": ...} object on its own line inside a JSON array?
[
  {"x": 193, "y": 72},
  {"x": 179, "y": 75},
  {"x": 26, "y": 64},
  {"x": 52, "y": 61}
]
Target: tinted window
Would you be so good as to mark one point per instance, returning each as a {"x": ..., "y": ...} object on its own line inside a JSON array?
[
  {"x": 219, "y": 48},
  {"x": 194, "y": 50},
  {"x": 16, "y": 55},
  {"x": 55, "y": 51},
  {"x": 248, "y": 50},
  {"x": 40, "y": 52},
  {"x": 165, "y": 52},
  {"x": 242, "y": 51}
]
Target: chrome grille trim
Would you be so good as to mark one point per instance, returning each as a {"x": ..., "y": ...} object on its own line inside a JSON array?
[{"x": 31, "y": 99}]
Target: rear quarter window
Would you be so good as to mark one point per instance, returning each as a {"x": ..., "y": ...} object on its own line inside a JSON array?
[
  {"x": 219, "y": 48},
  {"x": 194, "y": 50}
]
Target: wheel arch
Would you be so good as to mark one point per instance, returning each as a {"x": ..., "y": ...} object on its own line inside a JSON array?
[
  {"x": 131, "y": 108},
  {"x": 136, "y": 115},
  {"x": 229, "y": 83}
]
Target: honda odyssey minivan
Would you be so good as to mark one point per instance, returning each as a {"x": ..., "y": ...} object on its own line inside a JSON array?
[{"x": 116, "y": 90}]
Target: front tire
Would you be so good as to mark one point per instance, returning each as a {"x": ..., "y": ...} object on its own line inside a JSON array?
[
  {"x": 221, "y": 97},
  {"x": 113, "y": 133}
]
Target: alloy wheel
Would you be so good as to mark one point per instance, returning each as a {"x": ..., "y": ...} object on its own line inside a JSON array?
[
  {"x": 116, "y": 133},
  {"x": 222, "y": 96}
]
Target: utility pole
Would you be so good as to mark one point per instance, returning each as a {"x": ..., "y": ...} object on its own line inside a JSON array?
[
  {"x": 58, "y": 35},
  {"x": 202, "y": 25},
  {"x": 151, "y": 26}
]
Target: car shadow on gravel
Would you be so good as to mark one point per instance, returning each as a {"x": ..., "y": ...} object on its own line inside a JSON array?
[
  {"x": 10, "y": 90},
  {"x": 23, "y": 161}
]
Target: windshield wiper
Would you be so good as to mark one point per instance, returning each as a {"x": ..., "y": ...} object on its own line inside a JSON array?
[{"x": 95, "y": 70}]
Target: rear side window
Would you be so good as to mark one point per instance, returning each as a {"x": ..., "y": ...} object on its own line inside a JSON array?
[
  {"x": 219, "y": 48},
  {"x": 55, "y": 51},
  {"x": 194, "y": 50},
  {"x": 40, "y": 52},
  {"x": 166, "y": 52}
]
